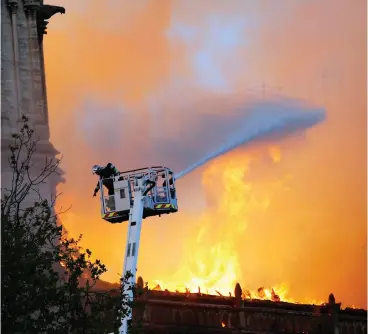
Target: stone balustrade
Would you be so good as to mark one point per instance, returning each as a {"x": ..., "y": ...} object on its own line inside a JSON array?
[{"x": 166, "y": 312}]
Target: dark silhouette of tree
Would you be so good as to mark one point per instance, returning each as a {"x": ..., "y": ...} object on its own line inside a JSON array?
[{"x": 47, "y": 279}]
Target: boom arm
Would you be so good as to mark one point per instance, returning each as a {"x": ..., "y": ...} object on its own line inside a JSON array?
[
  {"x": 127, "y": 204},
  {"x": 131, "y": 253}
]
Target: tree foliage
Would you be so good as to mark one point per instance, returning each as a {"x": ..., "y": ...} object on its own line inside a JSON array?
[{"x": 48, "y": 281}]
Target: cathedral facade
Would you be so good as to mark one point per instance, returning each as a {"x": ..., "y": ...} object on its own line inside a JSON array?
[{"x": 23, "y": 84}]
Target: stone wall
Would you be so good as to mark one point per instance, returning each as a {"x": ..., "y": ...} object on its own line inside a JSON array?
[
  {"x": 23, "y": 83},
  {"x": 166, "y": 312},
  {"x": 173, "y": 318}
]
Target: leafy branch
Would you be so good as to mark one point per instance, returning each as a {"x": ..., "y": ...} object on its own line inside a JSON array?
[{"x": 49, "y": 282}]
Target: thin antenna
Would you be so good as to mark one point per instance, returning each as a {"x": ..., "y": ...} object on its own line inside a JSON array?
[{"x": 265, "y": 89}]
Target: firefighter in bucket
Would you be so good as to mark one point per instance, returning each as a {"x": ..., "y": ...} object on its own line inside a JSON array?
[{"x": 105, "y": 173}]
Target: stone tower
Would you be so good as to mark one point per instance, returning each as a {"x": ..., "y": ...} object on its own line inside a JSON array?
[{"x": 23, "y": 84}]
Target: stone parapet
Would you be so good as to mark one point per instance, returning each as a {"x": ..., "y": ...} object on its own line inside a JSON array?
[{"x": 168, "y": 312}]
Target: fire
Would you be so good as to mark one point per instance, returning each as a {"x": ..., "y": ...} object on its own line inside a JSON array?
[
  {"x": 276, "y": 294},
  {"x": 213, "y": 266},
  {"x": 223, "y": 324},
  {"x": 212, "y": 263}
]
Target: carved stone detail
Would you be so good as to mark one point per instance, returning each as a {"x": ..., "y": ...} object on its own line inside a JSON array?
[
  {"x": 31, "y": 5},
  {"x": 13, "y": 5}
]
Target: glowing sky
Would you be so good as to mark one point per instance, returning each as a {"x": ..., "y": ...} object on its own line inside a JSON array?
[{"x": 124, "y": 76}]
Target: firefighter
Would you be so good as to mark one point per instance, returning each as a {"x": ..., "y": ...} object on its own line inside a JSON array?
[
  {"x": 149, "y": 186},
  {"x": 171, "y": 182},
  {"x": 105, "y": 173}
]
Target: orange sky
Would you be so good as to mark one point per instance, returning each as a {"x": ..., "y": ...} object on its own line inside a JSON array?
[{"x": 122, "y": 74}]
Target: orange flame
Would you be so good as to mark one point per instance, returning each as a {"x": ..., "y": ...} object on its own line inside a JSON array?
[{"x": 212, "y": 260}]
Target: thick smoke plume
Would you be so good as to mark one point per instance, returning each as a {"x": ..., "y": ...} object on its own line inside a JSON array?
[
  {"x": 264, "y": 119},
  {"x": 167, "y": 108}
]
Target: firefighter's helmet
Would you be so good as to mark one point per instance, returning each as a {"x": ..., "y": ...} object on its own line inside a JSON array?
[{"x": 96, "y": 169}]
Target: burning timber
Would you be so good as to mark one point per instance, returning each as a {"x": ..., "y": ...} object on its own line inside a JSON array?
[{"x": 174, "y": 312}]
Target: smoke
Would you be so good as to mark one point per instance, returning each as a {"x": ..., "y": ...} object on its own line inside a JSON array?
[
  {"x": 198, "y": 54},
  {"x": 210, "y": 132},
  {"x": 263, "y": 119}
]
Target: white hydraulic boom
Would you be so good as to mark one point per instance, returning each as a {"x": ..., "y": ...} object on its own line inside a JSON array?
[
  {"x": 131, "y": 253},
  {"x": 133, "y": 196}
]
